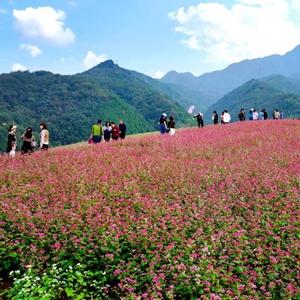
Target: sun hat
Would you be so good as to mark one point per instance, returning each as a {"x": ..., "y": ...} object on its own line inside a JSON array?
[{"x": 164, "y": 114}]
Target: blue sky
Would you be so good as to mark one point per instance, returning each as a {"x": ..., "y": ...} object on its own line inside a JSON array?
[{"x": 150, "y": 36}]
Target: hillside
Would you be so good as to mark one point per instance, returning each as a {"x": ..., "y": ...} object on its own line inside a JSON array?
[
  {"x": 275, "y": 92},
  {"x": 217, "y": 84},
  {"x": 70, "y": 104},
  {"x": 205, "y": 214}
]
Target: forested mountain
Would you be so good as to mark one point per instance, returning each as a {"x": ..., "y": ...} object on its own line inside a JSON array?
[
  {"x": 70, "y": 104},
  {"x": 216, "y": 84},
  {"x": 274, "y": 92}
]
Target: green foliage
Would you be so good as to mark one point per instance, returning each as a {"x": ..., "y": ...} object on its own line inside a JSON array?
[
  {"x": 269, "y": 93},
  {"x": 71, "y": 104},
  {"x": 59, "y": 282}
]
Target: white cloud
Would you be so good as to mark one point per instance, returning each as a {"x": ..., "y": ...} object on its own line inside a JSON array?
[
  {"x": 247, "y": 29},
  {"x": 93, "y": 59},
  {"x": 158, "y": 75},
  {"x": 33, "y": 50},
  {"x": 44, "y": 23},
  {"x": 18, "y": 67}
]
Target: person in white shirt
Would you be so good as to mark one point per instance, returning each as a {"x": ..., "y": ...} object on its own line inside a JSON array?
[
  {"x": 255, "y": 115},
  {"x": 44, "y": 137},
  {"x": 226, "y": 117}
]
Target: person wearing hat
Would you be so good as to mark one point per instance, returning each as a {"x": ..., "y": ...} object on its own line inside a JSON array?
[
  {"x": 163, "y": 123},
  {"x": 97, "y": 132},
  {"x": 11, "y": 141}
]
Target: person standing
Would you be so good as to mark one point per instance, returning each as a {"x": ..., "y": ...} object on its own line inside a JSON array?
[
  {"x": 122, "y": 129},
  {"x": 226, "y": 117},
  {"x": 115, "y": 132},
  {"x": 281, "y": 115},
  {"x": 97, "y": 132},
  {"x": 242, "y": 115},
  {"x": 28, "y": 141},
  {"x": 265, "y": 114},
  {"x": 11, "y": 141},
  {"x": 44, "y": 137},
  {"x": 276, "y": 114},
  {"x": 261, "y": 115},
  {"x": 171, "y": 125},
  {"x": 200, "y": 119},
  {"x": 107, "y": 131},
  {"x": 163, "y": 123},
  {"x": 255, "y": 115},
  {"x": 215, "y": 118}
]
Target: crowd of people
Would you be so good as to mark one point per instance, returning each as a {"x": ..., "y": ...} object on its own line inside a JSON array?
[
  {"x": 28, "y": 140},
  {"x": 29, "y": 144},
  {"x": 225, "y": 118},
  {"x": 112, "y": 131},
  {"x": 109, "y": 131}
]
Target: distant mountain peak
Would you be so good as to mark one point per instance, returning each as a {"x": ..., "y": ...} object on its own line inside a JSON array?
[{"x": 107, "y": 64}]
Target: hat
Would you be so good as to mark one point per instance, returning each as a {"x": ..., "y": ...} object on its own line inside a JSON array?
[
  {"x": 12, "y": 127},
  {"x": 164, "y": 114}
]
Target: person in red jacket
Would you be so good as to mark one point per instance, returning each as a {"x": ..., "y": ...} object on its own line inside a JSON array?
[{"x": 115, "y": 132}]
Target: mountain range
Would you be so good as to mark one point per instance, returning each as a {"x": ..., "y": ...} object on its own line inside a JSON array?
[
  {"x": 217, "y": 84},
  {"x": 70, "y": 104},
  {"x": 269, "y": 93}
]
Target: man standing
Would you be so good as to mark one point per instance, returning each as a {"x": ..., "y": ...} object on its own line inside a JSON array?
[
  {"x": 97, "y": 132},
  {"x": 200, "y": 119}
]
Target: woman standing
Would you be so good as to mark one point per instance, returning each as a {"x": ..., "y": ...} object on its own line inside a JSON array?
[
  {"x": 215, "y": 118},
  {"x": 28, "y": 141},
  {"x": 11, "y": 141},
  {"x": 122, "y": 128},
  {"x": 171, "y": 125},
  {"x": 115, "y": 132},
  {"x": 226, "y": 117},
  {"x": 107, "y": 131},
  {"x": 44, "y": 137},
  {"x": 163, "y": 123}
]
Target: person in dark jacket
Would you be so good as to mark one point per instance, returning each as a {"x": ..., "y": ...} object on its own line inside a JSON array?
[
  {"x": 115, "y": 132},
  {"x": 28, "y": 141},
  {"x": 242, "y": 115},
  {"x": 107, "y": 131},
  {"x": 265, "y": 114},
  {"x": 163, "y": 124},
  {"x": 11, "y": 141},
  {"x": 171, "y": 125},
  {"x": 200, "y": 119},
  {"x": 122, "y": 128},
  {"x": 215, "y": 118}
]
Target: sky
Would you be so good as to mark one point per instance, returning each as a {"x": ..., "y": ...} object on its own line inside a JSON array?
[{"x": 149, "y": 36}]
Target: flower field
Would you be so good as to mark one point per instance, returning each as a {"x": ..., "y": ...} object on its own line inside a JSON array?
[{"x": 210, "y": 213}]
